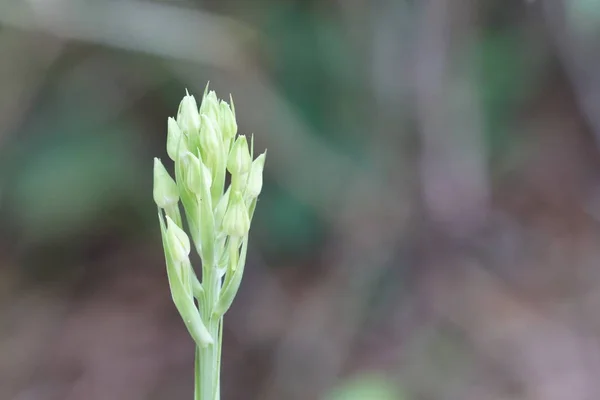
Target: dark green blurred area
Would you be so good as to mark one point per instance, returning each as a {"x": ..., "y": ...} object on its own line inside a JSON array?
[{"x": 425, "y": 159}]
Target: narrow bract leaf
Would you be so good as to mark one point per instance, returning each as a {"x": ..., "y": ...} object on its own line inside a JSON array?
[{"x": 232, "y": 283}]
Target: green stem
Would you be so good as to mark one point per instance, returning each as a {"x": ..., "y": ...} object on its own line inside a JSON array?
[
  {"x": 219, "y": 346},
  {"x": 197, "y": 374},
  {"x": 208, "y": 374}
]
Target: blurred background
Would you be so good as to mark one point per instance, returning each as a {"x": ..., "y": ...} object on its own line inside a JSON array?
[{"x": 429, "y": 226}]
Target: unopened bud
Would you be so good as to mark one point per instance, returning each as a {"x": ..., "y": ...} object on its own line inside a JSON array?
[
  {"x": 178, "y": 242},
  {"x": 222, "y": 208},
  {"x": 227, "y": 121},
  {"x": 175, "y": 139},
  {"x": 165, "y": 189},
  {"x": 239, "y": 160},
  {"x": 188, "y": 117},
  {"x": 236, "y": 221},
  {"x": 210, "y": 106},
  {"x": 198, "y": 175},
  {"x": 210, "y": 141},
  {"x": 255, "y": 179}
]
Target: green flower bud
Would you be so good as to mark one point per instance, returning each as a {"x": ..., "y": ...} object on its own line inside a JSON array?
[
  {"x": 222, "y": 208},
  {"x": 239, "y": 160},
  {"x": 210, "y": 142},
  {"x": 210, "y": 106},
  {"x": 198, "y": 175},
  {"x": 165, "y": 189},
  {"x": 174, "y": 139},
  {"x": 255, "y": 178},
  {"x": 188, "y": 117},
  {"x": 227, "y": 122},
  {"x": 236, "y": 221},
  {"x": 178, "y": 242}
]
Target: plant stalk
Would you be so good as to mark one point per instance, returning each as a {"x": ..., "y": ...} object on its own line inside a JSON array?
[{"x": 208, "y": 359}]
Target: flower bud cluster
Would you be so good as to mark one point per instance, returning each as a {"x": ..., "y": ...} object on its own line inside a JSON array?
[{"x": 204, "y": 146}]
